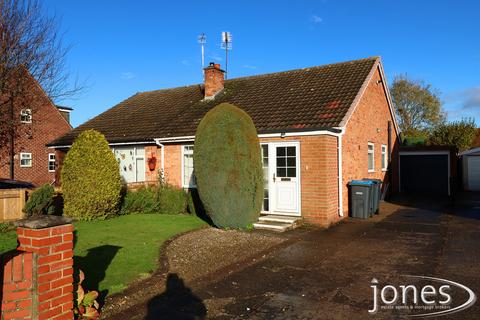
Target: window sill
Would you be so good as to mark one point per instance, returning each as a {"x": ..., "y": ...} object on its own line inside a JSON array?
[
  {"x": 371, "y": 171},
  {"x": 384, "y": 170}
]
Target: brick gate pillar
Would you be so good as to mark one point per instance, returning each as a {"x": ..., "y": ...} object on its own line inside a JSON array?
[{"x": 49, "y": 241}]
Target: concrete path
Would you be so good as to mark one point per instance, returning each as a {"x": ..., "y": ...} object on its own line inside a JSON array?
[{"x": 326, "y": 274}]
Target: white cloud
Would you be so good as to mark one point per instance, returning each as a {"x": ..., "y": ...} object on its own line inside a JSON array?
[
  {"x": 247, "y": 66},
  {"x": 185, "y": 62},
  {"x": 464, "y": 103},
  {"x": 316, "y": 19},
  {"x": 127, "y": 75}
]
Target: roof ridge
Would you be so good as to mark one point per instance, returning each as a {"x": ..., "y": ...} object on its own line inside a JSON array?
[
  {"x": 302, "y": 69},
  {"x": 171, "y": 88},
  {"x": 265, "y": 74}
]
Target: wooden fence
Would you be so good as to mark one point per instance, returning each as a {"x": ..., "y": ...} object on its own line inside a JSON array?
[{"x": 12, "y": 202}]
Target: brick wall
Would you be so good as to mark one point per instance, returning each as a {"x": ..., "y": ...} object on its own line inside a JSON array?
[
  {"x": 173, "y": 164},
  {"x": 318, "y": 176},
  {"x": 38, "y": 277},
  {"x": 369, "y": 123},
  {"x": 17, "y": 289},
  {"x": 318, "y": 170},
  {"x": 152, "y": 152},
  {"x": 47, "y": 124}
]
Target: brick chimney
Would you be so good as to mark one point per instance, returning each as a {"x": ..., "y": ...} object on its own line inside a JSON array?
[{"x": 214, "y": 80}]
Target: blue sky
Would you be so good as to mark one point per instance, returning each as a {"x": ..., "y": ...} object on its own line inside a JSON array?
[{"x": 122, "y": 47}]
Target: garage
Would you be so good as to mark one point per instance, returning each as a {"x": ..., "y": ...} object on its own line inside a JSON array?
[
  {"x": 425, "y": 172},
  {"x": 471, "y": 169}
]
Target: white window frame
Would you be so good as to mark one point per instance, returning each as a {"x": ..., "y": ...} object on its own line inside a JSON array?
[
  {"x": 50, "y": 160},
  {"x": 26, "y": 156},
  {"x": 373, "y": 156},
  {"x": 184, "y": 152},
  {"x": 26, "y": 113},
  {"x": 384, "y": 158}
]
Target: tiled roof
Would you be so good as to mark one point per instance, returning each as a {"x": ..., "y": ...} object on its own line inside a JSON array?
[{"x": 308, "y": 99}]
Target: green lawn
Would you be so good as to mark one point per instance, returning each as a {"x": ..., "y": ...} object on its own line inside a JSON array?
[{"x": 114, "y": 252}]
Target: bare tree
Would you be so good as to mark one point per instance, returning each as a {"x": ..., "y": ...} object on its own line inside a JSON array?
[{"x": 31, "y": 50}]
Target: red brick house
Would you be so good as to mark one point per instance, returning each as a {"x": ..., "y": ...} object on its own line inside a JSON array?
[
  {"x": 319, "y": 128},
  {"x": 37, "y": 121}
]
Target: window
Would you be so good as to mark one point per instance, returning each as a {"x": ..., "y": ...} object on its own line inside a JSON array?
[
  {"x": 51, "y": 162},
  {"x": 384, "y": 158},
  {"x": 188, "y": 176},
  {"x": 26, "y": 116},
  {"x": 25, "y": 160},
  {"x": 265, "y": 206},
  {"x": 286, "y": 162},
  {"x": 371, "y": 157}
]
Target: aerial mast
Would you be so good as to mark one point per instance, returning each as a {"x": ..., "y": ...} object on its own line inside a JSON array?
[
  {"x": 227, "y": 45},
  {"x": 202, "y": 39}
]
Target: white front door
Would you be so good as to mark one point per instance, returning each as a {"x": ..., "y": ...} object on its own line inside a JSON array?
[{"x": 285, "y": 178}]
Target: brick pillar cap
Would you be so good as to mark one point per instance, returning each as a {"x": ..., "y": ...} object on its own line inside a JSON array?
[{"x": 42, "y": 222}]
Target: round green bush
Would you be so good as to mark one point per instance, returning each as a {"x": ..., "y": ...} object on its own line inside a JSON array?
[
  {"x": 40, "y": 201},
  {"x": 90, "y": 178},
  {"x": 228, "y": 168}
]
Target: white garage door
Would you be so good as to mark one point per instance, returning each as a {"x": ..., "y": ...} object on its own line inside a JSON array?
[{"x": 474, "y": 173}]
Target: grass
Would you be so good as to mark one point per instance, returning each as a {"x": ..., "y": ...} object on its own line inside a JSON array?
[{"x": 114, "y": 252}]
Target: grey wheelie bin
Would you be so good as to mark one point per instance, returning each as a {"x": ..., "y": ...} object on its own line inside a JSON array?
[
  {"x": 376, "y": 194},
  {"x": 360, "y": 198}
]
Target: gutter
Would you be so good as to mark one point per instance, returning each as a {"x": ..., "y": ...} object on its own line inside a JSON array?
[
  {"x": 110, "y": 144},
  {"x": 278, "y": 133}
]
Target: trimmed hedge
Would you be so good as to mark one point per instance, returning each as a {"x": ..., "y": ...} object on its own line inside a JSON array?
[
  {"x": 40, "y": 201},
  {"x": 151, "y": 199},
  {"x": 143, "y": 200},
  {"x": 91, "y": 181},
  {"x": 228, "y": 168},
  {"x": 172, "y": 200}
]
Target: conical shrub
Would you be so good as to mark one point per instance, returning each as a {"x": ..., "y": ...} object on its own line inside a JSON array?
[
  {"x": 228, "y": 168},
  {"x": 90, "y": 178}
]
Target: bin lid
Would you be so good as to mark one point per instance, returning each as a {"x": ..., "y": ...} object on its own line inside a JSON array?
[
  {"x": 361, "y": 183},
  {"x": 375, "y": 181}
]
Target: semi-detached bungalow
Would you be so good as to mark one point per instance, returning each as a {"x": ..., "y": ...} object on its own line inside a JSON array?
[{"x": 319, "y": 128}]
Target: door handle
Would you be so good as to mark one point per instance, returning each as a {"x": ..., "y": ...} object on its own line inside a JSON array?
[{"x": 274, "y": 178}]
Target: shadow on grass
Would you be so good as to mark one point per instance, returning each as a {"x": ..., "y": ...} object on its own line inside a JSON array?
[
  {"x": 94, "y": 265},
  {"x": 177, "y": 302}
]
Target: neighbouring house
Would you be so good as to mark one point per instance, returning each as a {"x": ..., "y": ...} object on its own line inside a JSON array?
[
  {"x": 470, "y": 160},
  {"x": 37, "y": 121},
  {"x": 319, "y": 128}
]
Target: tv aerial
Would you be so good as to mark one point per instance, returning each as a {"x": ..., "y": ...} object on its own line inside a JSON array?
[
  {"x": 202, "y": 39},
  {"x": 226, "y": 45}
]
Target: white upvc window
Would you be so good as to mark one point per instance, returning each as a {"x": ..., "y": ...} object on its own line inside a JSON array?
[
  {"x": 371, "y": 157},
  {"x": 26, "y": 116},
  {"x": 51, "y": 162},
  {"x": 384, "y": 158},
  {"x": 25, "y": 159},
  {"x": 188, "y": 175}
]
